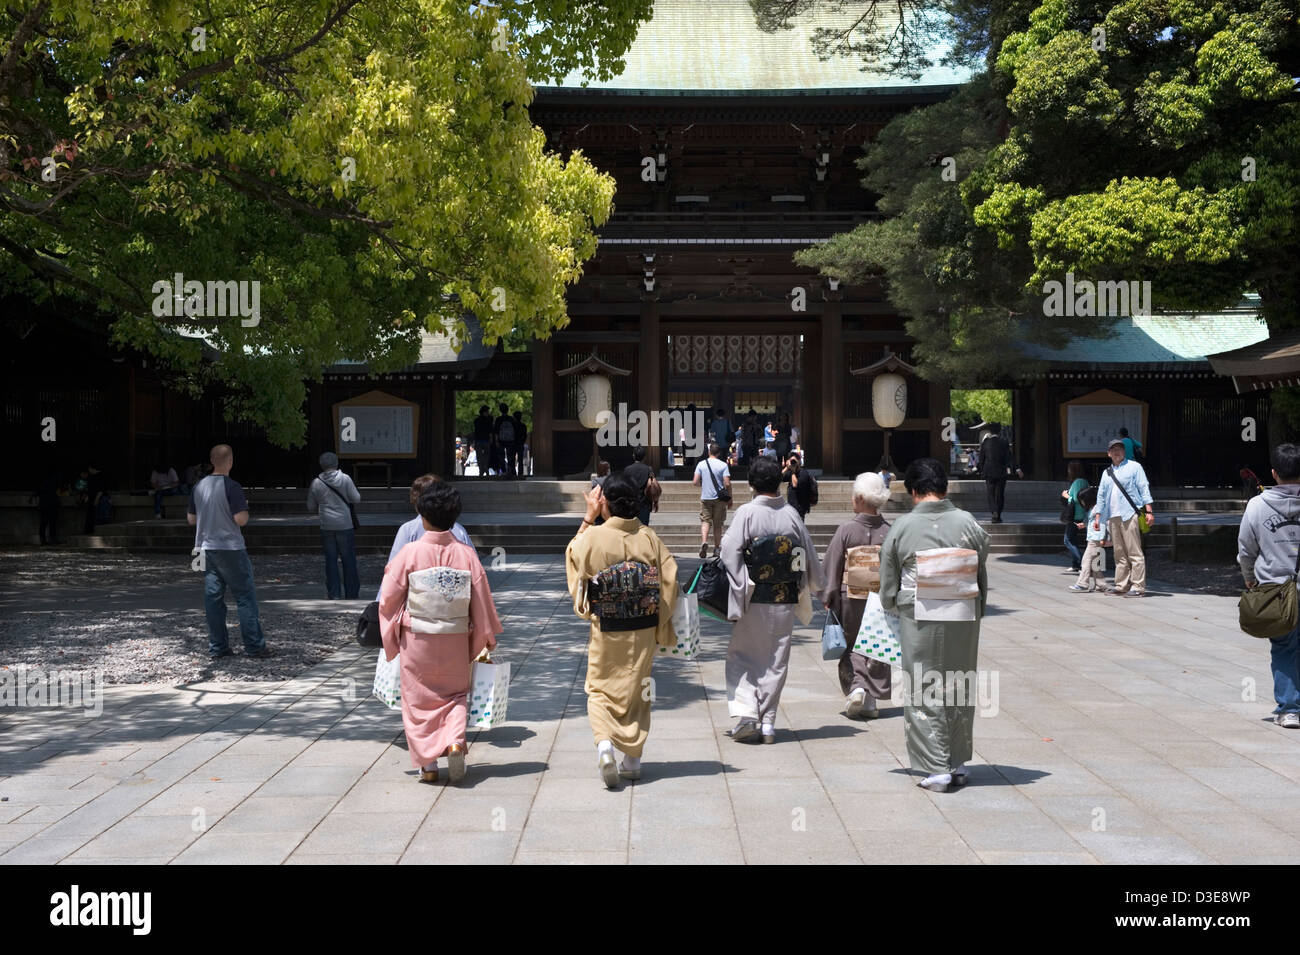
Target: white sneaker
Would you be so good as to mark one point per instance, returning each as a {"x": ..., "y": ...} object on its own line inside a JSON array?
[
  {"x": 1289, "y": 721},
  {"x": 855, "y": 702}
]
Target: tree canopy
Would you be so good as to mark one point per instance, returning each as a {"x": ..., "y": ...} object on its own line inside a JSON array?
[
  {"x": 1119, "y": 140},
  {"x": 370, "y": 165}
]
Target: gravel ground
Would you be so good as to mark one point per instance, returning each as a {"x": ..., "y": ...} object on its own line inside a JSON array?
[
  {"x": 1219, "y": 576},
  {"x": 167, "y": 646}
]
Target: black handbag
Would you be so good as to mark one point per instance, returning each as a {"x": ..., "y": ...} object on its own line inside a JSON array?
[
  {"x": 713, "y": 587},
  {"x": 368, "y": 626},
  {"x": 1067, "y": 511},
  {"x": 723, "y": 493}
]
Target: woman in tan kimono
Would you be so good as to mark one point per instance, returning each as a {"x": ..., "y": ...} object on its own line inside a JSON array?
[
  {"x": 435, "y": 608},
  {"x": 939, "y": 636},
  {"x": 624, "y": 581},
  {"x": 852, "y": 568}
]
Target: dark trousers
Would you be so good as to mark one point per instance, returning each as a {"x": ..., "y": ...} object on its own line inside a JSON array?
[
  {"x": 341, "y": 546},
  {"x": 997, "y": 492},
  {"x": 49, "y": 523}
]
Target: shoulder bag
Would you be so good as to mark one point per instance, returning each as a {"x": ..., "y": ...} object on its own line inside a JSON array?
[
  {"x": 1269, "y": 610},
  {"x": 723, "y": 493},
  {"x": 356, "y": 523}
]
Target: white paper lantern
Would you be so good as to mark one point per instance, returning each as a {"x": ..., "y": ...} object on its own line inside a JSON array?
[
  {"x": 594, "y": 396},
  {"x": 889, "y": 400}
]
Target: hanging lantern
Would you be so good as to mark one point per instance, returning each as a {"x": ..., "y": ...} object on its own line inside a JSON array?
[
  {"x": 889, "y": 400},
  {"x": 595, "y": 393}
]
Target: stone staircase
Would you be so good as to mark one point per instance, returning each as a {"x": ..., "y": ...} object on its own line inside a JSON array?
[{"x": 539, "y": 517}]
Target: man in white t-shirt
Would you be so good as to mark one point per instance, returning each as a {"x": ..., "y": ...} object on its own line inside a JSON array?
[{"x": 711, "y": 476}]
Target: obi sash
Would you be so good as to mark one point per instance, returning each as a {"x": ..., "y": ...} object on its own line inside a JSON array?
[
  {"x": 771, "y": 562},
  {"x": 862, "y": 571},
  {"x": 438, "y": 600},
  {"x": 947, "y": 583},
  {"x": 625, "y": 596}
]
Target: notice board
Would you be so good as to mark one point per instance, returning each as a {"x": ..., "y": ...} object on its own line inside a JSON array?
[
  {"x": 376, "y": 425},
  {"x": 1090, "y": 422}
]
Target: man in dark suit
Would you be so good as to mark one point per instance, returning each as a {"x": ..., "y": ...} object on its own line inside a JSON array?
[{"x": 995, "y": 464}]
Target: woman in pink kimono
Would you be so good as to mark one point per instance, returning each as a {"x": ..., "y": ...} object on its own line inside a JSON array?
[{"x": 435, "y": 608}]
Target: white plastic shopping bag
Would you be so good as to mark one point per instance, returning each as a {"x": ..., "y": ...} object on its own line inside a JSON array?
[
  {"x": 686, "y": 625},
  {"x": 489, "y": 692},
  {"x": 388, "y": 681},
  {"x": 878, "y": 635}
]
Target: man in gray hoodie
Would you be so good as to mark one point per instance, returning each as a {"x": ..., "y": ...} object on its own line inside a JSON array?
[
  {"x": 1268, "y": 546},
  {"x": 331, "y": 493}
]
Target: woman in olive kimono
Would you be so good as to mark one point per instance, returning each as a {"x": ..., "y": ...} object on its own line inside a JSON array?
[
  {"x": 435, "y": 608},
  {"x": 862, "y": 679},
  {"x": 939, "y": 732},
  {"x": 624, "y": 581},
  {"x": 770, "y": 590}
]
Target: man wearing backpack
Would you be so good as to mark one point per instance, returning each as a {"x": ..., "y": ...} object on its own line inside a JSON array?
[
  {"x": 333, "y": 495},
  {"x": 505, "y": 435}
]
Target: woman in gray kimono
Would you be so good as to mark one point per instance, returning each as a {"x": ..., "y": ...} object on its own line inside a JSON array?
[
  {"x": 853, "y": 571},
  {"x": 939, "y": 650},
  {"x": 771, "y": 564}
]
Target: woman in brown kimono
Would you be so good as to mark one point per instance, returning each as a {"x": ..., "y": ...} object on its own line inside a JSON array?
[
  {"x": 852, "y": 571},
  {"x": 624, "y": 581}
]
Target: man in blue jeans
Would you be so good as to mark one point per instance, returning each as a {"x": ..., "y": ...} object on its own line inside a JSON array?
[
  {"x": 331, "y": 494},
  {"x": 1267, "y": 547},
  {"x": 218, "y": 509}
]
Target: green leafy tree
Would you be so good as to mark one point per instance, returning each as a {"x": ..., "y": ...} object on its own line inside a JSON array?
[
  {"x": 1154, "y": 140},
  {"x": 370, "y": 165},
  {"x": 1121, "y": 140},
  {"x": 468, "y": 403},
  {"x": 973, "y": 407}
]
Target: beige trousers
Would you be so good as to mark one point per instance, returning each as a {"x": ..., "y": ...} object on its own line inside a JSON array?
[{"x": 1130, "y": 564}]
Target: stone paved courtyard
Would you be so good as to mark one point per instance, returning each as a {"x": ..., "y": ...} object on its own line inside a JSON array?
[{"x": 1121, "y": 731}]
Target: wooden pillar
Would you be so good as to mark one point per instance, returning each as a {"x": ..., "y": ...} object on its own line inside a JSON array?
[
  {"x": 131, "y": 478},
  {"x": 832, "y": 385},
  {"x": 649, "y": 374},
  {"x": 1043, "y": 413},
  {"x": 540, "y": 433},
  {"x": 440, "y": 431}
]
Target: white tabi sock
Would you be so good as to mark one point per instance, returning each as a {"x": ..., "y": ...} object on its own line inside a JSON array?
[
  {"x": 604, "y": 746},
  {"x": 631, "y": 762}
]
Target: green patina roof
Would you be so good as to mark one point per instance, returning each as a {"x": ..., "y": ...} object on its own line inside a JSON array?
[
  {"x": 1161, "y": 339},
  {"x": 716, "y": 46}
]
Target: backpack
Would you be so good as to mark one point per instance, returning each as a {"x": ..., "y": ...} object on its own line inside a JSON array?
[{"x": 506, "y": 433}]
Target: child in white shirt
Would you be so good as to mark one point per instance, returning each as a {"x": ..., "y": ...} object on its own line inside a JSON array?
[{"x": 1088, "y": 580}]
